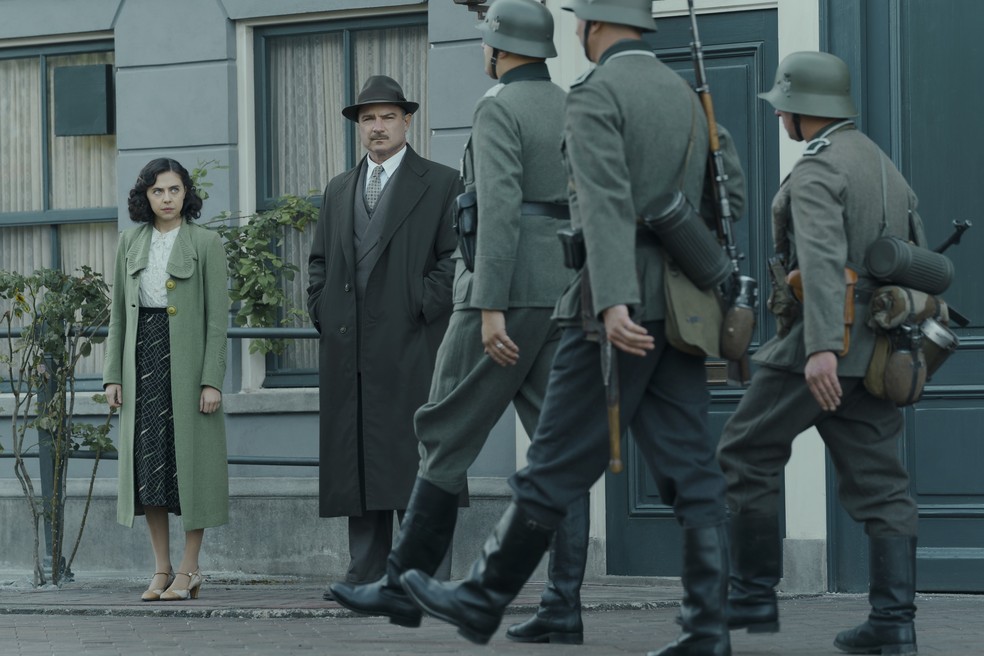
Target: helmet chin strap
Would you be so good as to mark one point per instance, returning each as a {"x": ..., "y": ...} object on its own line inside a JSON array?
[
  {"x": 494, "y": 60},
  {"x": 584, "y": 38},
  {"x": 797, "y": 127}
]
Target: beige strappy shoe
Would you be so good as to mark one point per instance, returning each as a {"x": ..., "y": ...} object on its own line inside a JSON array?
[
  {"x": 180, "y": 594},
  {"x": 154, "y": 594}
]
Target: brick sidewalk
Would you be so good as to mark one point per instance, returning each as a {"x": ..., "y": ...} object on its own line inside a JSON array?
[{"x": 105, "y": 617}]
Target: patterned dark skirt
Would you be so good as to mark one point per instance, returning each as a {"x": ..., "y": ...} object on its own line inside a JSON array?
[{"x": 154, "y": 471}]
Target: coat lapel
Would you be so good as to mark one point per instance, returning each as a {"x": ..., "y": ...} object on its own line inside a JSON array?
[
  {"x": 139, "y": 251},
  {"x": 344, "y": 208},
  {"x": 409, "y": 186},
  {"x": 181, "y": 264}
]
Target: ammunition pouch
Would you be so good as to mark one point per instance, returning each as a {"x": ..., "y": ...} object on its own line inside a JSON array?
[
  {"x": 686, "y": 238},
  {"x": 912, "y": 342},
  {"x": 572, "y": 242},
  {"x": 794, "y": 280},
  {"x": 466, "y": 225},
  {"x": 782, "y": 302},
  {"x": 898, "y": 262}
]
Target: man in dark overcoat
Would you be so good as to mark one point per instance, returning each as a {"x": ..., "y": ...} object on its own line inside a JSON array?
[
  {"x": 501, "y": 340},
  {"x": 380, "y": 297}
]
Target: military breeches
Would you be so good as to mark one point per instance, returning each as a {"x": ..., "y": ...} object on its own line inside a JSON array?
[
  {"x": 664, "y": 400},
  {"x": 469, "y": 392},
  {"x": 862, "y": 437}
]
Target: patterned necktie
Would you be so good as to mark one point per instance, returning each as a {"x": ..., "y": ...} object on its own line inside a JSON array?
[{"x": 374, "y": 188}]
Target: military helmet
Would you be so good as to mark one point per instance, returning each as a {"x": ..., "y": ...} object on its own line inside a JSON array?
[
  {"x": 523, "y": 27},
  {"x": 812, "y": 83},
  {"x": 634, "y": 13}
]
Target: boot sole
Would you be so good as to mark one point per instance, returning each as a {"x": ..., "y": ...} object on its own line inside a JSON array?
[
  {"x": 758, "y": 627},
  {"x": 552, "y": 638},
  {"x": 884, "y": 650},
  {"x": 409, "y": 621},
  {"x": 465, "y": 632}
]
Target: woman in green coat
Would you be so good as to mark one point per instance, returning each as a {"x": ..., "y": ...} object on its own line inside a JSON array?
[{"x": 170, "y": 289}]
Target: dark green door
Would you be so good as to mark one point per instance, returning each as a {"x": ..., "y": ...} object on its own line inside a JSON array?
[
  {"x": 917, "y": 67},
  {"x": 741, "y": 57}
]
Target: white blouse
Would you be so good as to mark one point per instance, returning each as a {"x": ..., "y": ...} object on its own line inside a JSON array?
[{"x": 153, "y": 293}]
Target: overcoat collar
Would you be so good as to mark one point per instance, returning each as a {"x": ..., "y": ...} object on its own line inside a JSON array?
[
  {"x": 181, "y": 264},
  {"x": 408, "y": 186}
]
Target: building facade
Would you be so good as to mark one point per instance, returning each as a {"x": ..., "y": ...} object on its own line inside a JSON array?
[{"x": 253, "y": 90}]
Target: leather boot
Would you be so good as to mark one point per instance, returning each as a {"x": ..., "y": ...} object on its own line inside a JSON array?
[
  {"x": 705, "y": 595},
  {"x": 425, "y": 537},
  {"x": 475, "y": 605},
  {"x": 755, "y": 568},
  {"x": 558, "y": 619},
  {"x": 890, "y": 628}
]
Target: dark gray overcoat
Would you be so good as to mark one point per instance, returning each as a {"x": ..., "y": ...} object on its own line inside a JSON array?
[{"x": 402, "y": 321}]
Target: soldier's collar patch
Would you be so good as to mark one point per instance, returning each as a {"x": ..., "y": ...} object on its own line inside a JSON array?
[{"x": 815, "y": 146}]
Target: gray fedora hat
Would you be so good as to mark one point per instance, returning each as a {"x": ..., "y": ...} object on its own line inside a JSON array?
[{"x": 380, "y": 89}]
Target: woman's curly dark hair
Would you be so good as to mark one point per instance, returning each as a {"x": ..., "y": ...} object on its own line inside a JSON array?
[{"x": 139, "y": 206}]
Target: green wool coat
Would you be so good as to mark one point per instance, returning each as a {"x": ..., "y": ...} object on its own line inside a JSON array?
[{"x": 198, "y": 310}]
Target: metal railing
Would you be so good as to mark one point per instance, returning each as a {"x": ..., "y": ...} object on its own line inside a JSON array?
[{"x": 45, "y": 452}]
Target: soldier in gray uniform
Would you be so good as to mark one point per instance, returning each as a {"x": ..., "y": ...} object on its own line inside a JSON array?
[
  {"x": 634, "y": 131},
  {"x": 501, "y": 339},
  {"x": 842, "y": 195}
]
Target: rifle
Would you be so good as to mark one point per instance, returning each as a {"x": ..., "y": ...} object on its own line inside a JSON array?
[
  {"x": 958, "y": 229},
  {"x": 739, "y": 292}
]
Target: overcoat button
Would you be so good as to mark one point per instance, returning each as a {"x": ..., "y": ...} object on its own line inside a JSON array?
[
  {"x": 172, "y": 310},
  {"x": 343, "y": 330},
  {"x": 170, "y": 284},
  {"x": 348, "y": 287}
]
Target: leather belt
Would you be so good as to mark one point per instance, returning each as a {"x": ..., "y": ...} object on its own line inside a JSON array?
[{"x": 554, "y": 210}]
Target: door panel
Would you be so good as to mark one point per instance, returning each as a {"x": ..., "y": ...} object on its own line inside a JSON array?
[
  {"x": 911, "y": 61},
  {"x": 740, "y": 57}
]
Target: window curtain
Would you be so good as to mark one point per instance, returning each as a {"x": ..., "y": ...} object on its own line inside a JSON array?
[
  {"x": 307, "y": 87},
  {"x": 80, "y": 170},
  {"x": 20, "y": 140}
]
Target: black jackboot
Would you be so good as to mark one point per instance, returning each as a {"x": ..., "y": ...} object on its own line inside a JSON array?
[
  {"x": 705, "y": 595},
  {"x": 558, "y": 619},
  {"x": 476, "y": 604},
  {"x": 890, "y": 628},
  {"x": 755, "y": 567},
  {"x": 425, "y": 536}
]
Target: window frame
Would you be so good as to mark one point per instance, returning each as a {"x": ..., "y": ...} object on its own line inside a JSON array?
[
  {"x": 275, "y": 376},
  {"x": 264, "y": 134},
  {"x": 46, "y": 215}
]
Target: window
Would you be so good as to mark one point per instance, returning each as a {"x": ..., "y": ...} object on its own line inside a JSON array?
[
  {"x": 57, "y": 193},
  {"x": 305, "y": 76}
]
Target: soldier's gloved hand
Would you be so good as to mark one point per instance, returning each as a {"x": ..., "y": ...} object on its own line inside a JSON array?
[
  {"x": 821, "y": 378},
  {"x": 498, "y": 346},
  {"x": 625, "y": 333}
]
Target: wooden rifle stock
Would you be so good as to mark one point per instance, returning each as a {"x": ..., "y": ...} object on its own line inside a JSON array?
[{"x": 739, "y": 369}]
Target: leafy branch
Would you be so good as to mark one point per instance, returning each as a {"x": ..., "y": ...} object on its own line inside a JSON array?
[
  {"x": 258, "y": 272},
  {"x": 58, "y": 314}
]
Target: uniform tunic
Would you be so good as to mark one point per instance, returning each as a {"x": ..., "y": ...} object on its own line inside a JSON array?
[
  {"x": 629, "y": 126},
  {"x": 513, "y": 156},
  {"x": 841, "y": 196}
]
